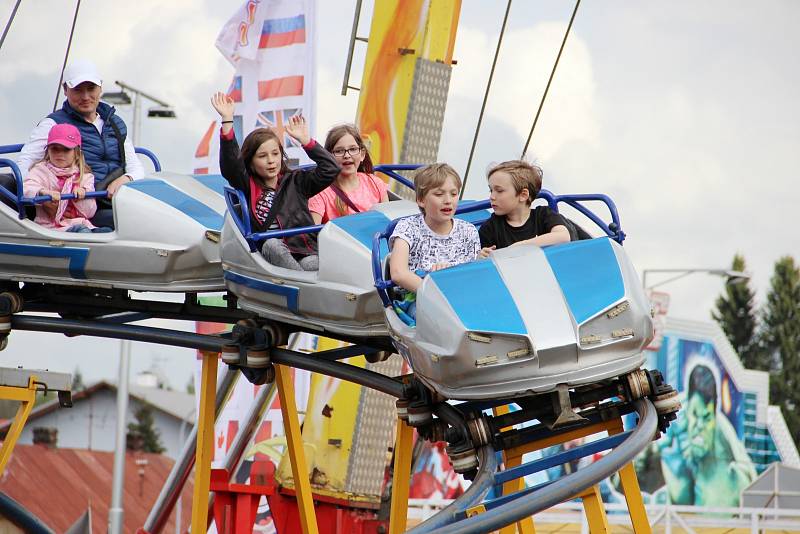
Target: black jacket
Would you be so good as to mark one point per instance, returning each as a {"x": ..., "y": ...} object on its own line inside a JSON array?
[{"x": 293, "y": 191}]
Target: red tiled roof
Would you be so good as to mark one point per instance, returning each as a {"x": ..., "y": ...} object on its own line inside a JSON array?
[{"x": 57, "y": 485}]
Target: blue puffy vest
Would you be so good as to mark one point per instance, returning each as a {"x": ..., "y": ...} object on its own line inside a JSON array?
[{"x": 101, "y": 150}]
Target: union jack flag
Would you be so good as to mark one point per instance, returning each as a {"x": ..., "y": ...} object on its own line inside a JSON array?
[{"x": 275, "y": 119}]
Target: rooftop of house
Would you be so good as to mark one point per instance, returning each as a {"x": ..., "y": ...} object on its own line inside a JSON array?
[{"x": 58, "y": 485}]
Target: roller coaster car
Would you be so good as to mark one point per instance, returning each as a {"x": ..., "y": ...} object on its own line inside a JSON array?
[
  {"x": 340, "y": 298},
  {"x": 527, "y": 319},
  {"x": 166, "y": 238}
]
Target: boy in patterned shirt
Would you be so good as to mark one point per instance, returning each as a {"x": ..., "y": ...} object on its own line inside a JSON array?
[{"x": 432, "y": 240}]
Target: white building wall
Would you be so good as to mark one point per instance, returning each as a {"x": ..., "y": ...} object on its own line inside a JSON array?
[{"x": 92, "y": 424}]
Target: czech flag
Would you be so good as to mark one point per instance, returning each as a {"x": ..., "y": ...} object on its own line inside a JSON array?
[{"x": 283, "y": 32}]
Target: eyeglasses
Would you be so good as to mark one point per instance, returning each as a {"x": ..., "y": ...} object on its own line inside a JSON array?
[{"x": 353, "y": 151}]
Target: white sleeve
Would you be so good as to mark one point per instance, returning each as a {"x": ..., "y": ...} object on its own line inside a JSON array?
[
  {"x": 405, "y": 230},
  {"x": 34, "y": 149},
  {"x": 133, "y": 165}
]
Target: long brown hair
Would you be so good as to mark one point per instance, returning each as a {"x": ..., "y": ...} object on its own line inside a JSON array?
[
  {"x": 255, "y": 139},
  {"x": 339, "y": 131},
  {"x": 336, "y": 133}
]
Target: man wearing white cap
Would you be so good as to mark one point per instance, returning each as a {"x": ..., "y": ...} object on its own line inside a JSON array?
[{"x": 106, "y": 146}]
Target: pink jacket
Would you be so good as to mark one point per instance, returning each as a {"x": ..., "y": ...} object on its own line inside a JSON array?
[{"x": 43, "y": 175}]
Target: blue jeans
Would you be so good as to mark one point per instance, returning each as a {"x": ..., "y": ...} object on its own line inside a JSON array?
[{"x": 81, "y": 229}]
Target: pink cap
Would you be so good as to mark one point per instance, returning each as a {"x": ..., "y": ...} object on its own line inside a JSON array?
[{"x": 65, "y": 135}]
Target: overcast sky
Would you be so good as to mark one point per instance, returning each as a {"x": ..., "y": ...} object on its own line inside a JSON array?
[{"x": 685, "y": 113}]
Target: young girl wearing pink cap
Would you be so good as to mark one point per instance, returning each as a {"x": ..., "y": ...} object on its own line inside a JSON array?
[{"x": 62, "y": 171}]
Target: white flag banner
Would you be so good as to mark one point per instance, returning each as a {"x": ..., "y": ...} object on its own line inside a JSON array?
[{"x": 271, "y": 45}]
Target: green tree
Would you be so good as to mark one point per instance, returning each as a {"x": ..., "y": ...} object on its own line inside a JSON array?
[
  {"x": 780, "y": 337},
  {"x": 77, "y": 380},
  {"x": 736, "y": 314},
  {"x": 143, "y": 432},
  {"x": 190, "y": 385}
]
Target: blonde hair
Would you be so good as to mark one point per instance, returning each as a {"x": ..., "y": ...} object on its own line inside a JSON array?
[
  {"x": 524, "y": 175},
  {"x": 83, "y": 167},
  {"x": 432, "y": 176}
]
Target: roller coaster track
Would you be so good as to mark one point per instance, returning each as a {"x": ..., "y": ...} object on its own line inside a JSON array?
[{"x": 457, "y": 424}]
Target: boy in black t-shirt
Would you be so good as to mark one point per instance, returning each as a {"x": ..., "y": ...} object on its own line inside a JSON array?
[{"x": 513, "y": 185}]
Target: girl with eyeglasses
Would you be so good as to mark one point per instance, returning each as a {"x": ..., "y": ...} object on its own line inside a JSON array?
[{"x": 356, "y": 189}]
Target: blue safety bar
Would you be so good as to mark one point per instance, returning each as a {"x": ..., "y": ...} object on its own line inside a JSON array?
[
  {"x": 391, "y": 171},
  {"x": 240, "y": 213},
  {"x": 21, "y": 201},
  {"x": 13, "y": 149}
]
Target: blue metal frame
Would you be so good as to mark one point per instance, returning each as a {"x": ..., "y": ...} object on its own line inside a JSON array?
[
  {"x": 22, "y": 201},
  {"x": 237, "y": 206},
  {"x": 13, "y": 149},
  {"x": 390, "y": 171}
]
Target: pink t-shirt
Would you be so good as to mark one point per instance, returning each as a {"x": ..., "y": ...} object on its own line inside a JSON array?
[{"x": 370, "y": 191}]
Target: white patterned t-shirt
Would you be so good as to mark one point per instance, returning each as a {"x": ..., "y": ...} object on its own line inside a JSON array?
[{"x": 427, "y": 248}]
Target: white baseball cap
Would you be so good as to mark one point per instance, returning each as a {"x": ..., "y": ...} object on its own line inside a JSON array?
[{"x": 80, "y": 71}]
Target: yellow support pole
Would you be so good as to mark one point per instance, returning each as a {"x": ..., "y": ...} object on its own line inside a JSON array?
[
  {"x": 402, "y": 478},
  {"x": 595, "y": 511},
  {"x": 27, "y": 397},
  {"x": 297, "y": 457},
  {"x": 633, "y": 495},
  {"x": 525, "y": 526},
  {"x": 205, "y": 442}
]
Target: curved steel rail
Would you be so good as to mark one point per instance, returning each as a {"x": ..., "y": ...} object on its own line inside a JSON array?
[
  {"x": 481, "y": 484},
  {"x": 566, "y": 487},
  {"x": 21, "y": 517}
]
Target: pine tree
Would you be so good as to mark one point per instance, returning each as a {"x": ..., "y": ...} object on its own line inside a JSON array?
[
  {"x": 77, "y": 380},
  {"x": 144, "y": 432},
  {"x": 780, "y": 337},
  {"x": 736, "y": 315}
]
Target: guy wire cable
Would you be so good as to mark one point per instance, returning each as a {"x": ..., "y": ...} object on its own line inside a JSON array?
[
  {"x": 8, "y": 24},
  {"x": 552, "y": 73},
  {"x": 66, "y": 54},
  {"x": 485, "y": 98}
]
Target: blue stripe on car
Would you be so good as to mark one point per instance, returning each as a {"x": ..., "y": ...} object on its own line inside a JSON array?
[
  {"x": 363, "y": 226},
  {"x": 179, "y": 200},
  {"x": 588, "y": 274},
  {"x": 215, "y": 182},
  {"x": 76, "y": 256},
  {"x": 480, "y": 298},
  {"x": 290, "y": 292}
]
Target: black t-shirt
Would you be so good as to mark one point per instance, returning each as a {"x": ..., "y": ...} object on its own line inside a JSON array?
[{"x": 496, "y": 231}]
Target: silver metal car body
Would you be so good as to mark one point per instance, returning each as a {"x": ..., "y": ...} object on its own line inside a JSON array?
[
  {"x": 166, "y": 239},
  {"x": 527, "y": 319}
]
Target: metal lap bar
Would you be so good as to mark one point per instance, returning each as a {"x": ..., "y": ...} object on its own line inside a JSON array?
[
  {"x": 575, "y": 202},
  {"x": 41, "y": 199},
  {"x": 391, "y": 172},
  {"x": 240, "y": 213},
  {"x": 17, "y": 199},
  {"x": 151, "y": 156}
]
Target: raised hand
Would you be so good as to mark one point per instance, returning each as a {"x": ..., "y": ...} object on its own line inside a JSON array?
[
  {"x": 224, "y": 105},
  {"x": 298, "y": 128}
]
